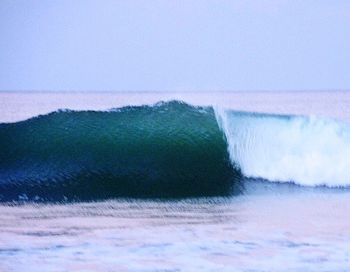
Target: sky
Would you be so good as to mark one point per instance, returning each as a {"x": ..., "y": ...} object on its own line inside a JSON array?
[{"x": 174, "y": 45}]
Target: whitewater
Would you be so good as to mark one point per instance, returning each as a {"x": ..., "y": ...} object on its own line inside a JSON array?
[{"x": 306, "y": 150}]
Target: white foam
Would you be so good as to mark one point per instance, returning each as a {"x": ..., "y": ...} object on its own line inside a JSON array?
[{"x": 305, "y": 150}]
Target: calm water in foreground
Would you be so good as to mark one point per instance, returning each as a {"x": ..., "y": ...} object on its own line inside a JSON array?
[{"x": 276, "y": 230}]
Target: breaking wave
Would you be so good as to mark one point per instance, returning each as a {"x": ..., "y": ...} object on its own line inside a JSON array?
[
  {"x": 170, "y": 149},
  {"x": 309, "y": 151}
]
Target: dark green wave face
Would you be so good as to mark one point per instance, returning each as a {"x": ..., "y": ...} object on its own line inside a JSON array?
[{"x": 167, "y": 150}]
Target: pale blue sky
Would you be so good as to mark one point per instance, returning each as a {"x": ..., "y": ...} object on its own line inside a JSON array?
[{"x": 174, "y": 45}]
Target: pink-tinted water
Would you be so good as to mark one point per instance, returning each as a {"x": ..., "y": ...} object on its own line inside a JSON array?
[{"x": 269, "y": 232}]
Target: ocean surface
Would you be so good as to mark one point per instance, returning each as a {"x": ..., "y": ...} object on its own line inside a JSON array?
[{"x": 185, "y": 181}]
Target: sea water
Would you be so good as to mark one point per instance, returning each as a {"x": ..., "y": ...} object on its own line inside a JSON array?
[{"x": 288, "y": 213}]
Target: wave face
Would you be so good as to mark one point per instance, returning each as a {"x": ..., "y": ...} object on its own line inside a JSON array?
[
  {"x": 305, "y": 150},
  {"x": 166, "y": 150}
]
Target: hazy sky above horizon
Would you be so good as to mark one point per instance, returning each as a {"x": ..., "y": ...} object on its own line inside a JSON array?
[{"x": 174, "y": 45}]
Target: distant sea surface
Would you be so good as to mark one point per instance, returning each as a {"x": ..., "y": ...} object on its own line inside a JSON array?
[{"x": 184, "y": 181}]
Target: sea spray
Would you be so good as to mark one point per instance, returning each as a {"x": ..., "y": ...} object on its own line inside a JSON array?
[{"x": 306, "y": 150}]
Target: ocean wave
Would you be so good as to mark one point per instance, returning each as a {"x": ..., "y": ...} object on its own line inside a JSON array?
[{"x": 169, "y": 149}]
